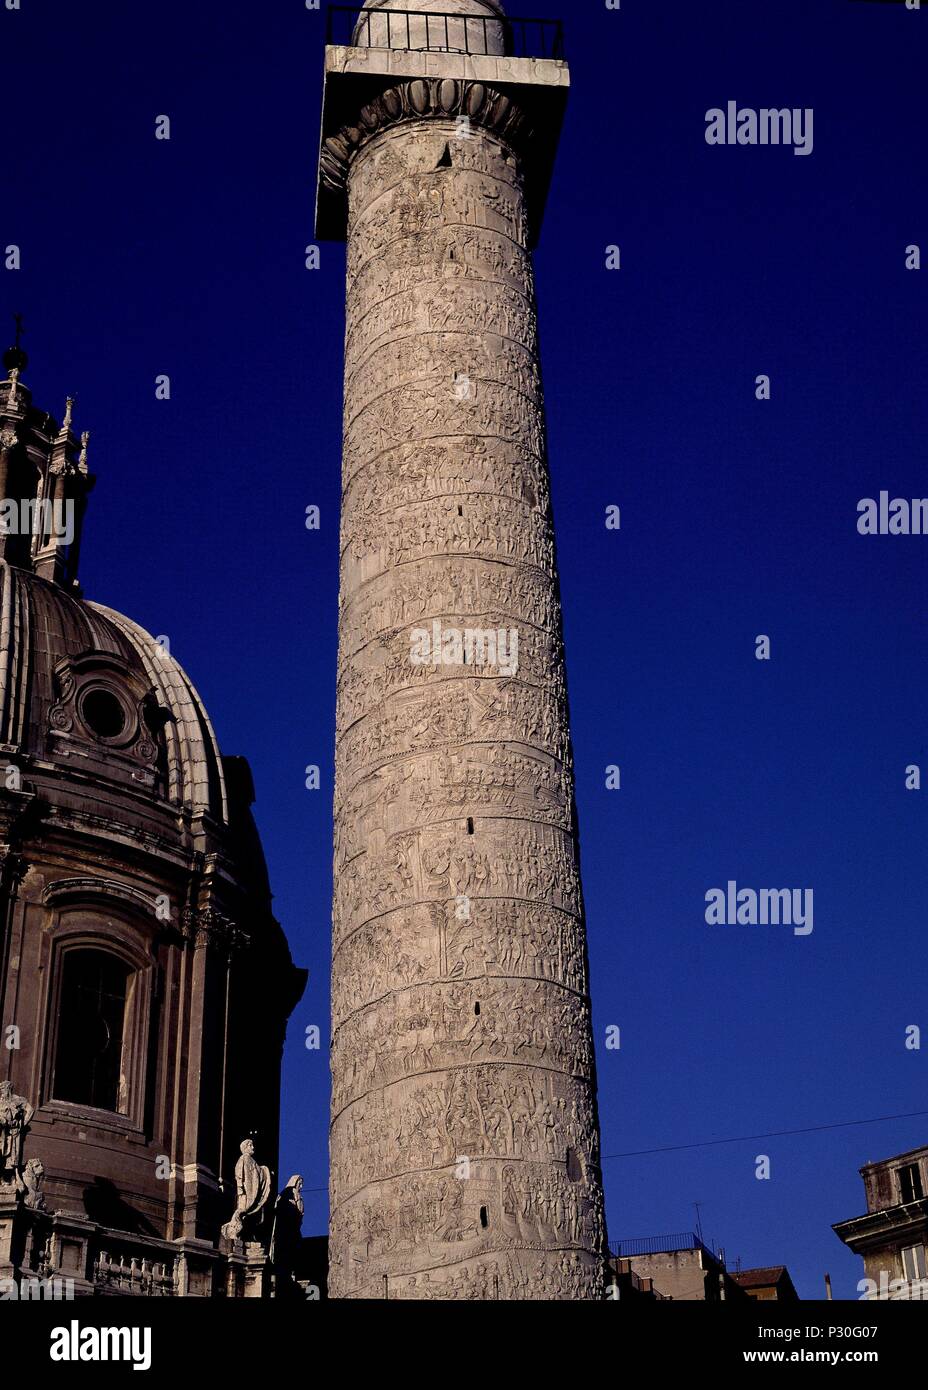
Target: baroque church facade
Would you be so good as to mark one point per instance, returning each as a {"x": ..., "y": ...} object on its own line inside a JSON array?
[{"x": 145, "y": 985}]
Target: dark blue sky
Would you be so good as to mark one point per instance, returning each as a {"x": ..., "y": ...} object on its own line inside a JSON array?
[{"x": 738, "y": 518}]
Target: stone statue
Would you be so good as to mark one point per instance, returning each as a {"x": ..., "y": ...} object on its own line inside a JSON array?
[
  {"x": 288, "y": 1222},
  {"x": 252, "y": 1186},
  {"x": 292, "y": 1196},
  {"x": 15, "y": 1114},
  {"x": 33, "y": 1179}
]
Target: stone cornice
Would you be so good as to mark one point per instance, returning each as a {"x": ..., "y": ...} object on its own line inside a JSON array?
[
  {"x": 875, "y": 1228},
  {"x": 64, "y": 889}
]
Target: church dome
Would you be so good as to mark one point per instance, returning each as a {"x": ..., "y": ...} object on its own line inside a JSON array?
[
  {"x": 141, "y": 944},
  {"x": 84, "y": 688}
]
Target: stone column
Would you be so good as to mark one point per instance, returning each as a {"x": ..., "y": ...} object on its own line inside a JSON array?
[{"x": 464, "y": 1136}]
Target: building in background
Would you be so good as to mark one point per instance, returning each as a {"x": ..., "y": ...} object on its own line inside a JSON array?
[
  {"x": 686, "y": 1268},
  {"x": 144, "y": 983},
  {"x": 624, "y": 1284},
  {"x": 892, "y": 1238},
  {"x": 771, "y": 1285}
]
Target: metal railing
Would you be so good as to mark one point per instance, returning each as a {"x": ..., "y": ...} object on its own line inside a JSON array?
[
  {"x": 661, "y": 1245},
  {"x": 353, "y": 26}
]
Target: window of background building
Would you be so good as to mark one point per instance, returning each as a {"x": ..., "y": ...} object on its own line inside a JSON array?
[
  {"x": 92, "y": 1014},
  {"x": 910, "y": 1183},
  {"x": 914, "y": 1265}
]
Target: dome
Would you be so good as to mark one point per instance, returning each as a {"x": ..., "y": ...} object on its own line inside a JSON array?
[
  {"x": 85, "y": 688},
  {"x": 195, "y": 776}
]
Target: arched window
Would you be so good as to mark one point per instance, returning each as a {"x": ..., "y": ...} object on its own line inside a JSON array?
[{"x": 88, "y": 1057}]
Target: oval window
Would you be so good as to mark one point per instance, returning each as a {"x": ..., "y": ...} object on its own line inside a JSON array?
[{"x": 102, "y": 712}]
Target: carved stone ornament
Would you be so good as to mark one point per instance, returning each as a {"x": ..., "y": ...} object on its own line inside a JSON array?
[
  {"x": 208, "y": 927},
  {"x": 32, "y": 1182},
  {"x": 418, "y": 100}
]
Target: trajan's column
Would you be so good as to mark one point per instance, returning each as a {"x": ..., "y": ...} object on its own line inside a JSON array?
[{"x": 464, "y": 1138}]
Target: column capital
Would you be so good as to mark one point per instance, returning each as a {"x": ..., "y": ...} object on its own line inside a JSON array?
[{"x": 424, "y": 98}]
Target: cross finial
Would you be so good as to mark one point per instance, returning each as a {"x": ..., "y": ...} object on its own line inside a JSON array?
[{"x": 16, "y": 356}]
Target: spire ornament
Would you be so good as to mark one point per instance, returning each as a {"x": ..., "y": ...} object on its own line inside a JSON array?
[{"x": 15, "y": 357}]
